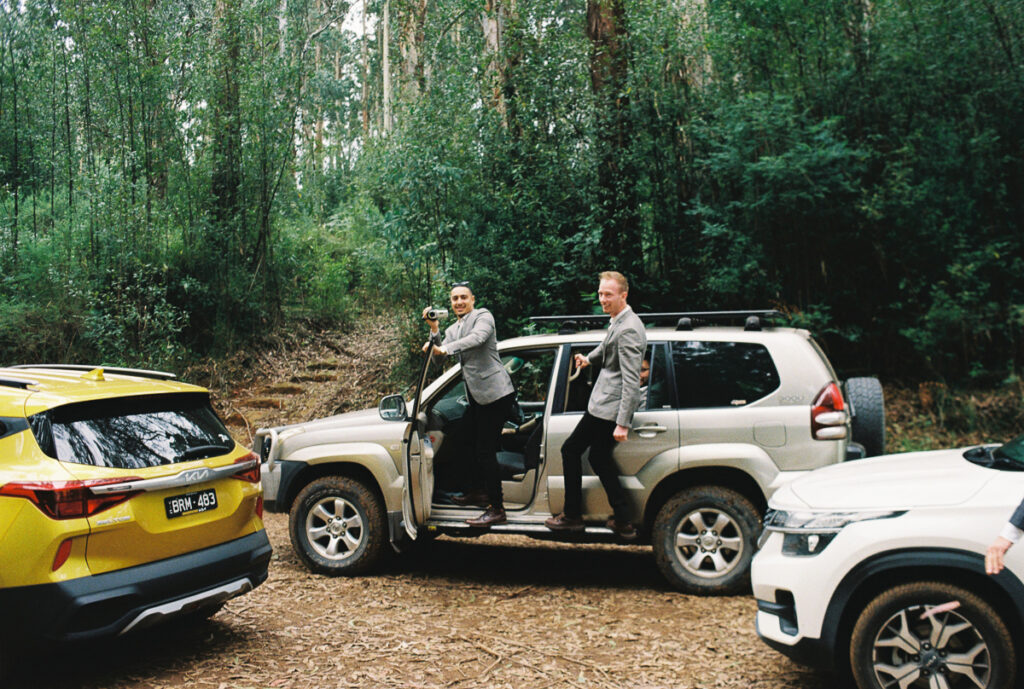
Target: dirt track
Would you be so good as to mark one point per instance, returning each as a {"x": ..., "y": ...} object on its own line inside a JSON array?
[{"x": 494, "y": 612}]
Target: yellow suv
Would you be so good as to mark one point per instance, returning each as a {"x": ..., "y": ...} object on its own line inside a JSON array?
[{"x": 123, "y": 502}]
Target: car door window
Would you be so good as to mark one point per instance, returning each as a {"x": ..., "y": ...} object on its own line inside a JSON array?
[
  {"x": 722, "y": 374},
  {"x": 580, "y": 382},
  {"x": 530, "y": 371},
  {"x": 656, "y": 393}
]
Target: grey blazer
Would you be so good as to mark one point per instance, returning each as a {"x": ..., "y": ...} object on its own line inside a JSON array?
[
  {"x": 1017, "y": 518},
  {"x": 616, "y": 393},
  {"x": 473, "y": 341}
]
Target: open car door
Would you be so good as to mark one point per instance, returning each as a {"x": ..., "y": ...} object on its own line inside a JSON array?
[{"x": 418, "y": 467}]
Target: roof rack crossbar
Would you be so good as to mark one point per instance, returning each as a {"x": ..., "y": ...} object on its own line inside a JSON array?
[
  {"x": 140, "y": 372},
  {"x": 664, "y": 316}
]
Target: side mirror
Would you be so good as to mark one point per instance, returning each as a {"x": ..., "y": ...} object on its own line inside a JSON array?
[{"x": 392, "y": 408}]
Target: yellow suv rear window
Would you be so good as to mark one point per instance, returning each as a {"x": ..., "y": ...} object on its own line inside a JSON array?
[{"x": 133, "y": 432}]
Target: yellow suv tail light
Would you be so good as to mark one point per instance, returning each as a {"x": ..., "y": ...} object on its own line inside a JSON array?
[{"x": 68, "y": 499}]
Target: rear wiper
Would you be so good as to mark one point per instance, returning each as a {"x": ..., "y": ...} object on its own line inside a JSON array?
[{"x": 204, "y": 451}]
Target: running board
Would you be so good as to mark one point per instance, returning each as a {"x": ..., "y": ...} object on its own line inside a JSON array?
[{"x": 535, "y": 530}]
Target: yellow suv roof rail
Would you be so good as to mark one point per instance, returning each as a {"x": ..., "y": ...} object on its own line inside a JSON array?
[
  {"x": 140, "y": 372},
  {"x": 22, "y": 383}
]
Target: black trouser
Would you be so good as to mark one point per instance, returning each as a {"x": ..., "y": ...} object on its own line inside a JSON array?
[
  {"x": 597, "y": 434},
  {"x": 485, "y": 422}
]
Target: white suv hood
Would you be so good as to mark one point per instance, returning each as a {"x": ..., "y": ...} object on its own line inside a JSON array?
[{"x": 903, "y": 481}]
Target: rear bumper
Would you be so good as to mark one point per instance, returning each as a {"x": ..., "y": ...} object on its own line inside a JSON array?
[{"x": 132, "y": 598}]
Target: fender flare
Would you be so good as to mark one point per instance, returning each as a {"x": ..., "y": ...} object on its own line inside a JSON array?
[
  {"x": 920, "y": 564},
  {"x": 377, "y": 461}
]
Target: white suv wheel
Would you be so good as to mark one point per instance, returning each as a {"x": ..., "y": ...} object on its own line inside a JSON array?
[{"x": 930, "y": 634}]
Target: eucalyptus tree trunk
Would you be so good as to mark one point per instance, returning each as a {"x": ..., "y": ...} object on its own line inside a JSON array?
[
  {"x": 226, "y": 173},
  {"x": 16, "y": 153},
  {"x": 698, "y": 63},
  {"x": 364, "y": 110},
  {"x": 609, "y": 64},
  {"x": 859, "y": 20},
  {"x": 412, "y": 18},
  {"x": 68, "y": 143},
  {"x": 282, "y": 27},
  {"x": 494, "y": 74},
  {"x": 386, "y": 66}
]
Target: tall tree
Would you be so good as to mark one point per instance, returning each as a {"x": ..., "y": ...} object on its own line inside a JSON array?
[{"x": 609, "y": 69}]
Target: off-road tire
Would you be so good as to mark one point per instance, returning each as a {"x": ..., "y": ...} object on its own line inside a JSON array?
[
  {"x": 338, "y": 527},
  {"x": 890, "y": 628},
  {"x": 722, "y": 567},
  {"x": 868, "y": 422}
]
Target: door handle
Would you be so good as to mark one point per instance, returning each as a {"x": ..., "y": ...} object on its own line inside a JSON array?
[{"x": 649, "y": 431}]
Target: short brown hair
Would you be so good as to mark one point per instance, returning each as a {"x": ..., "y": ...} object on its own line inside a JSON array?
[{"x": 617, "y": 277}]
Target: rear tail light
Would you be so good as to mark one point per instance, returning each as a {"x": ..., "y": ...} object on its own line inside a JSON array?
[
  {"x": 251, "y": 475},
  {"x": 63, "y": 553},
  {"x": 259, "y": 506},
  {"x": 828, "y": 414},
  {"x": 68, "y": 499}
]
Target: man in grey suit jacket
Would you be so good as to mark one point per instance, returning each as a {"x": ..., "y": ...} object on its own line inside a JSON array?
[
  {"x": 609, "y": 414},
  {"x": 489, "y": 389},
  {"x": 1011, "y": 533}
]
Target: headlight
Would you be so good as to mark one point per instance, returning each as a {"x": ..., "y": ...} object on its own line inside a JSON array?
[{"x": 807, "y": 533}]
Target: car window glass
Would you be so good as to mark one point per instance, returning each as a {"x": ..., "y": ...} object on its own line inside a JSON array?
[
  {"x": 530, "y": 371},
  {"x": 722, "y": 374},
  {"x": 655, "y": 393},
  {"x": 578, "y": 390},
  {"x": 131, "y": 433}
]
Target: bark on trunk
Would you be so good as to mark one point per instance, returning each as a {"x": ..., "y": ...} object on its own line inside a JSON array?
[
  {"x": 386, "y": 65},
  {"x": 609, "y": 63}
]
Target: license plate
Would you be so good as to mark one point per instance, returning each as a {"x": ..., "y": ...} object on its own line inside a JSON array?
[{"x": 191, "y": 503}]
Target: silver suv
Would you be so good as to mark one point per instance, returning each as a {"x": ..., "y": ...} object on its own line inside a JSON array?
[{"x": 729, "y": 414}]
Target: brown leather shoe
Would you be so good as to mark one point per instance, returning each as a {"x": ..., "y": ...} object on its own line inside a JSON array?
[
  {"x": 493, "y": 515},
  {"x": 473, "y": 497},
  {"x": 625, "y": 530},
  {"x": 564, "y": 523}
]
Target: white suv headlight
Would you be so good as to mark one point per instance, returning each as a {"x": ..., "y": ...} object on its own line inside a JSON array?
[{"x": 807, "y": 533}]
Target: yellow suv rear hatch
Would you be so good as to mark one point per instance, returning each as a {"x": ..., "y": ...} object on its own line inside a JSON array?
[{"x": 162, "y": 473}]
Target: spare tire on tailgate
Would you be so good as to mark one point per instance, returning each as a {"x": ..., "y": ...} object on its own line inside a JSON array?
[{"x": 868, "y": 408}]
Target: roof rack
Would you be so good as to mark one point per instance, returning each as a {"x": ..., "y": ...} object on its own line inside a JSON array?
[
  {"x": 140, "y": 372},
  {"x": 684, "y": 320},
  {"x": 22, "y": 383}
]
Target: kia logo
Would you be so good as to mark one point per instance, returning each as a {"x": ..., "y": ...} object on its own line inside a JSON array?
[{"x": 195, "y": 475}]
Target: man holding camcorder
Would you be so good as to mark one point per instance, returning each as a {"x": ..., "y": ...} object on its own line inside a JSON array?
[{"x": 489, "y": 390}]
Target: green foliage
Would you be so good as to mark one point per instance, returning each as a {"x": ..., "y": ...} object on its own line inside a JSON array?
[{"x": 177, "y": 179}]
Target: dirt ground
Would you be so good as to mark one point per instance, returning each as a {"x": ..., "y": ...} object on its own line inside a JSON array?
[
  {"x": 493, "y": 612},
  {"x": 498, "y": 611}
]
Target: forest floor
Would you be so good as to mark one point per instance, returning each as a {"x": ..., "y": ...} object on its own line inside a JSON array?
[{"x": 498, "y": 611}]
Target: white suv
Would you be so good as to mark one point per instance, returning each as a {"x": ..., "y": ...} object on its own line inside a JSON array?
[{"x": 877, "y": 568}]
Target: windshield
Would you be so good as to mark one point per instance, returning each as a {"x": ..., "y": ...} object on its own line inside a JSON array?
[
  {"x": 1008, "y": 457},
  {"x": 1013, "y": 451},
  {"x": 133, "y": 432}
]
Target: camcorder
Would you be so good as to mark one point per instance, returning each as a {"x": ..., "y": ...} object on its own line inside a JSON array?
[{"x": 436, "y": 314}]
